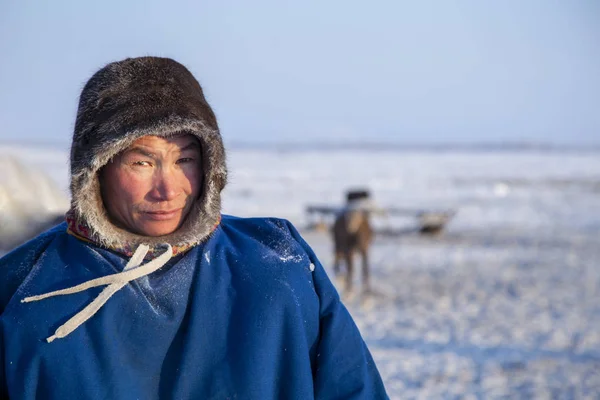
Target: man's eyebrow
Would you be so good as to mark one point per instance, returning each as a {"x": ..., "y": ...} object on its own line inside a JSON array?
[
  {"x": 194, "y": 145},
  {"x": 139, "y": 150}
]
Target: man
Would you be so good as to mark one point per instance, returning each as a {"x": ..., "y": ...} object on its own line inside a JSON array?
[{"x": 147, "y": 292}]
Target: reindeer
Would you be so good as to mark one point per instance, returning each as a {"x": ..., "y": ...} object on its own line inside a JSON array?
[{"x": 352, "y": 233}]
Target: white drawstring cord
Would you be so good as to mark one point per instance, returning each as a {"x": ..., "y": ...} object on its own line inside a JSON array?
[{"x": 115, "y": 282}]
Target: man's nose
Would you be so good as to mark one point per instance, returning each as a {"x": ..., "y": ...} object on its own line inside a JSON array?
[{"x": 165, "y": 186}]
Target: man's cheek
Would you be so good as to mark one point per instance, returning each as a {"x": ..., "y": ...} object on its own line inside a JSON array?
[{"x": 136, "y": 191}]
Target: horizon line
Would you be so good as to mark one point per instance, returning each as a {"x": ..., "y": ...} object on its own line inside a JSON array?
[{"x": 367, "y": 145}]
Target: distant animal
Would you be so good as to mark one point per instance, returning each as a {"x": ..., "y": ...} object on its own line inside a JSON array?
[{"x": 352, "y": 233}]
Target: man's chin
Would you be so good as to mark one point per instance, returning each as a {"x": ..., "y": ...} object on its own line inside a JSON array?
[
  {"x": 155, "y": 229},
  {"x": 157, "y": 225}
]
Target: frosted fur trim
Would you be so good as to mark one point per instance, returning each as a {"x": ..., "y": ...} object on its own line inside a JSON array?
[
  {"x": 122, "y": 102},
  {"x": 87, "y": 199}
]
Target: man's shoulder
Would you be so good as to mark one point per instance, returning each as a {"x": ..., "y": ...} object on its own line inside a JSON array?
[
  {"x": 257, "y": 225},
  {"x": 269, "y": 231},
  {"x": 269, "y": 256},
  {"x": 272, "y": 240}
]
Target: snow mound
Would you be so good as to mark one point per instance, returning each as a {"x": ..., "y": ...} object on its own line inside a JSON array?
[{"x": 30, "y": 202}]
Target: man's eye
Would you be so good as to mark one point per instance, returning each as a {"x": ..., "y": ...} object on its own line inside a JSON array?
[
  {"x": 185, "y": 160},
  {"x": 142, "y": 163}
]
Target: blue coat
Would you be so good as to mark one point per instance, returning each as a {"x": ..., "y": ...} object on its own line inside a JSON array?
[{"x": 249, "y": 314}]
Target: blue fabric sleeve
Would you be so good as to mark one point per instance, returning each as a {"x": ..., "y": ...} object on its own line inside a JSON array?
[
  {"x": 14, "y": 268},
  {"x": 344, "y": 366},
  {"x": 3, "y": 388},
  {"x": 16, "y": 265}
]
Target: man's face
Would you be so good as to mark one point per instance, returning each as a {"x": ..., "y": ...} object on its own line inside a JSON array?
[{"x": 150, "y": 187}]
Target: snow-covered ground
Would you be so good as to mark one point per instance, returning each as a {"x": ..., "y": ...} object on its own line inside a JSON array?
[{"x": 504, "y": 304}]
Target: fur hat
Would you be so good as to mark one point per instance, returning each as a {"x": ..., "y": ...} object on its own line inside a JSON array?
[{"x": 122, "y": 102}]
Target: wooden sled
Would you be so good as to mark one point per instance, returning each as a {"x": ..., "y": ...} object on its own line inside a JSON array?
[{"x": 429, "y": 222}]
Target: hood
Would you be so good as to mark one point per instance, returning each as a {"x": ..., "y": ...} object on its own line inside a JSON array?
[{"x": 122, "y": 102}]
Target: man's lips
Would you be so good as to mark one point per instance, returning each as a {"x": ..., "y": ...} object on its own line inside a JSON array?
[{"x": 162, "y": 215}]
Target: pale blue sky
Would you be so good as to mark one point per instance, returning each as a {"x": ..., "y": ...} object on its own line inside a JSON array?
[{"x": 274, "y": 70}]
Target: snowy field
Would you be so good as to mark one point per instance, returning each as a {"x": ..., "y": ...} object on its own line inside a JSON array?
[{"x": 504, "y": 304}]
